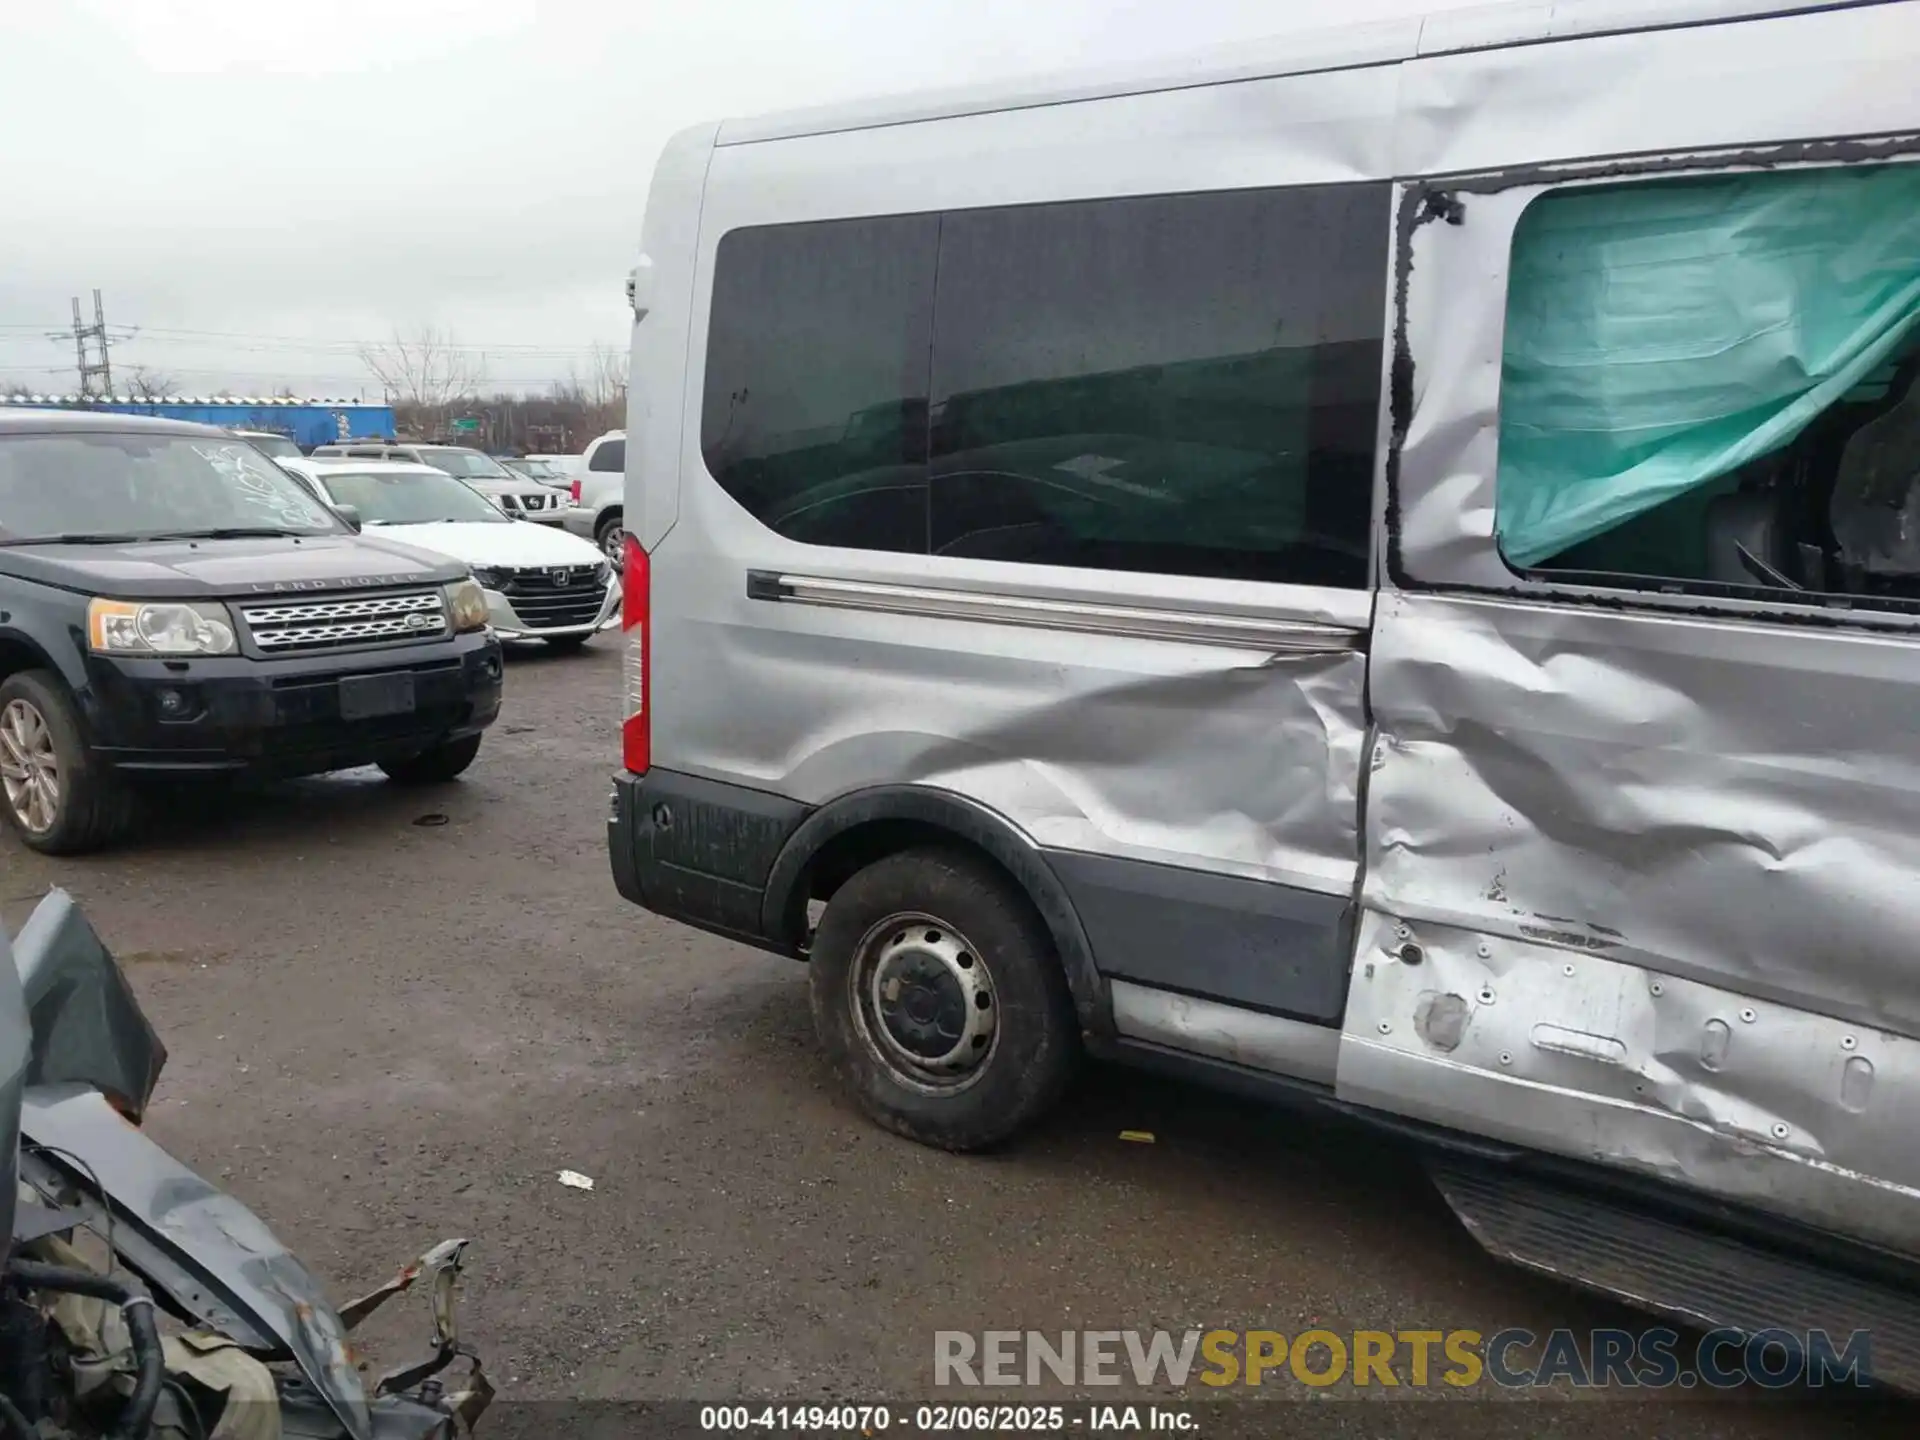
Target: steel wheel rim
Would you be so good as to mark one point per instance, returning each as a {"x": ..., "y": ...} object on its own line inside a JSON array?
[
  {"x": 614, "y": 542},
  {"x": 29, "y": 767},
  {"x": 924, "y": 1003}
]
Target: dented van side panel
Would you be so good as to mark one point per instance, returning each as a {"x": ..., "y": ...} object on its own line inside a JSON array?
[{"x": 1638, "y": 875}]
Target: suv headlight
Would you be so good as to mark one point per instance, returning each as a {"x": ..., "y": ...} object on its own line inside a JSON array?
[
  {"x": 158, "y": 627},
  {"x": 490, "y": 579},
  {"x": 466, "y": 606}
]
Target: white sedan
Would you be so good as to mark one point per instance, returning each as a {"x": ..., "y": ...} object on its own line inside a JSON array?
[{"x": 541, "y": 583}]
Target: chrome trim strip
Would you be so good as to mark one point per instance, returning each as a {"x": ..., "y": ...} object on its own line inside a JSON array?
[
  {"x": 1299, "y": 637},
  {"x": 1226, "y": 1032}
]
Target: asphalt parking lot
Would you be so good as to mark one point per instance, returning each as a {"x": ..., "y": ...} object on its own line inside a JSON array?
[{"x": 397, "y": 1015}]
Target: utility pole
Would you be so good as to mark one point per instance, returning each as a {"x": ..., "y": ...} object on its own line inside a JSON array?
[{"x": 97, "y": 333}]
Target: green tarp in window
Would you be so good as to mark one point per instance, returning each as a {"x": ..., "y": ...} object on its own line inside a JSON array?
[{"x": 1660, "y": 335}]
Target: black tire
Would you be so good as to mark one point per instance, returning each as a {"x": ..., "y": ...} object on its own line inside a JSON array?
[
  {"x": 436, "y": 766},
  {"x": 957, "y": 898},
  {"x": 609, "y": 535},
  {"x": 93, "y": 806},
  {"x": 567, "y": 644}
]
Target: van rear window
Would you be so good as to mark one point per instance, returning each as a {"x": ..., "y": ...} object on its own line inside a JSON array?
[{"x": 1180, "y": 384}]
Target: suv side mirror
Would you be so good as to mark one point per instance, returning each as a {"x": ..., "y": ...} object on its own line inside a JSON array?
[{"x": 349, "y": 516}]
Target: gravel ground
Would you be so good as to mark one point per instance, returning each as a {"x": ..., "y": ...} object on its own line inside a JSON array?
[{"x": 385, "y": 1032}]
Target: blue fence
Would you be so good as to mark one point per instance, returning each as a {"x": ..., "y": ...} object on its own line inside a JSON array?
[{"x": 306, "y": 422}]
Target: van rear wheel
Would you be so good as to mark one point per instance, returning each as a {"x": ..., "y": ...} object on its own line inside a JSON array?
[{"x": 939, "y": 1000}]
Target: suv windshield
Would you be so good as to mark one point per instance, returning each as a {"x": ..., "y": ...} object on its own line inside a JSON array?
[
  {"x": 278, "y": 446},
  {"x": 464, "y": 464},
  {"x": 128, "y": 486},
  {"x": 409, "y": 498}
]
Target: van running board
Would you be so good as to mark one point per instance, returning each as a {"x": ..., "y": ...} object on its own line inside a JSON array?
[{"x": 1697, "y": 1277}]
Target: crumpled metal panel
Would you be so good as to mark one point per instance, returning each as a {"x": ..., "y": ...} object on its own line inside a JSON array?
[
  {"x": 1584, "y": 1055},
  {"x": 1182, "y": 754},
  {"x": 224, "y": 1244},
  {"x": 1737, "y": 803},
  {"x": 87, "y": 1026},
  {"x": 1653, "y": 92},
  {"x": 1717, "y": 797}
]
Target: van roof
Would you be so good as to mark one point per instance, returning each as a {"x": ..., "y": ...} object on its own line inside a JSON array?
[{"x": 1479, "y": 27}]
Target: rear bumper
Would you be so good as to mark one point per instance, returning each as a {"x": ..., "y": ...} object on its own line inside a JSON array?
[
  {"x": 284, "y": 717},
  {"x": 699, "y": 851}
]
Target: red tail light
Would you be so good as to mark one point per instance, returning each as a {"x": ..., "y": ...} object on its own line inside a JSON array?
[
  {"x": 575, "y": 487},
  {"x": 636, "y": 731}
]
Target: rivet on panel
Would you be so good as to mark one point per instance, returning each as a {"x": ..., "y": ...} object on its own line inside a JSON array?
[
  {"x": 1403, "y": 931},
  {"x": 1506, "y": 1057},
  {"x": 1486, "y": 994},
  {"x": 1385, "y": 1028},
  {"x": 1847, "y": 1042},
  {"x": 1486, "y": 950},
  {"x": 1779, "y": 1132},
  {"x": 1657, "y": 988},
  {"x": 1747, "y": 1015},
  {"x": 1567, "y": 970}
]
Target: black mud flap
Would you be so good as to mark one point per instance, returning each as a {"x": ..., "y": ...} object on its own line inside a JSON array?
[{"x": 1690, "y": 1274}]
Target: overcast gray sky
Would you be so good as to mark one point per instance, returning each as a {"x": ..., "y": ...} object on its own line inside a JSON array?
[{"x": 259, "y": 185}]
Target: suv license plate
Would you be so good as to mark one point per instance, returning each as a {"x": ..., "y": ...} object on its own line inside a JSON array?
[{"x": 366, "y": 697}]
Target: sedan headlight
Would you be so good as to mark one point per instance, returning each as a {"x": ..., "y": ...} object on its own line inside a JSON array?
[
  {"x": 158, "y": 627},
  {"x": 466, "y": 606},
  {"x": 490, "y": 579}
]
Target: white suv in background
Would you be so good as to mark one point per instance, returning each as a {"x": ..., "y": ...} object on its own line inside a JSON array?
[
  {"x": 520, "y": 496},
  {"x": 597, "y": 494}
]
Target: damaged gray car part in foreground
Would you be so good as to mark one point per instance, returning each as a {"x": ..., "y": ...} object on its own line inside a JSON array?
[
  {"x": 139, "y": 1299},
  {"x": 1441, "y": 641}
]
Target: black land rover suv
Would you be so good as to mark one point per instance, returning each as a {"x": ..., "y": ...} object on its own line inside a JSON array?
[{"x": 174, "y": 604}]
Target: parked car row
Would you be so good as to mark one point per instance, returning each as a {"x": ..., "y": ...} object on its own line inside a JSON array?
[
  {"x": 521, "y": 496},
  {"x": 176, "y": 605},
  {"x": 540, "y": 583}
]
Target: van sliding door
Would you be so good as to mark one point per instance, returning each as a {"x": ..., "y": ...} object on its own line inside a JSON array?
[{"x": 1644, "y": 808}]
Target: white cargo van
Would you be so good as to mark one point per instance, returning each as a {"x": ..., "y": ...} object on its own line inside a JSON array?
[{"x": 1378, "y": 571}]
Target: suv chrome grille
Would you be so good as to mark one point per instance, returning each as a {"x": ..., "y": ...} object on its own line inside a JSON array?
[
  {"x": 555, "y": 597},
  {"x": 281, "y": 629}
]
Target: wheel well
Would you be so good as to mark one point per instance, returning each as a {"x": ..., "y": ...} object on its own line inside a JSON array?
[
  {"x": 18, "y": 655},
  {"x": 867, "y": 826},
  {"x": 614, "y": 511},
  {"x": 852, "y": 850}
]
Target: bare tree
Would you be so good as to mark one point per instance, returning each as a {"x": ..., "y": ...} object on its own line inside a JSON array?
[
  {"x": 145, "y": 384},
  {"x": 598, "y": 387},
  {"x": 427, "y": 369}
]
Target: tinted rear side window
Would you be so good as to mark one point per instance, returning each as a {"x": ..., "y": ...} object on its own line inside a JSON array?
[
  {"x": 815, "y": 410},
  {"x": 1181, "y": 384},
  {"x": 610, "y": 456},
  {"x": 1185, "y": 384}
]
